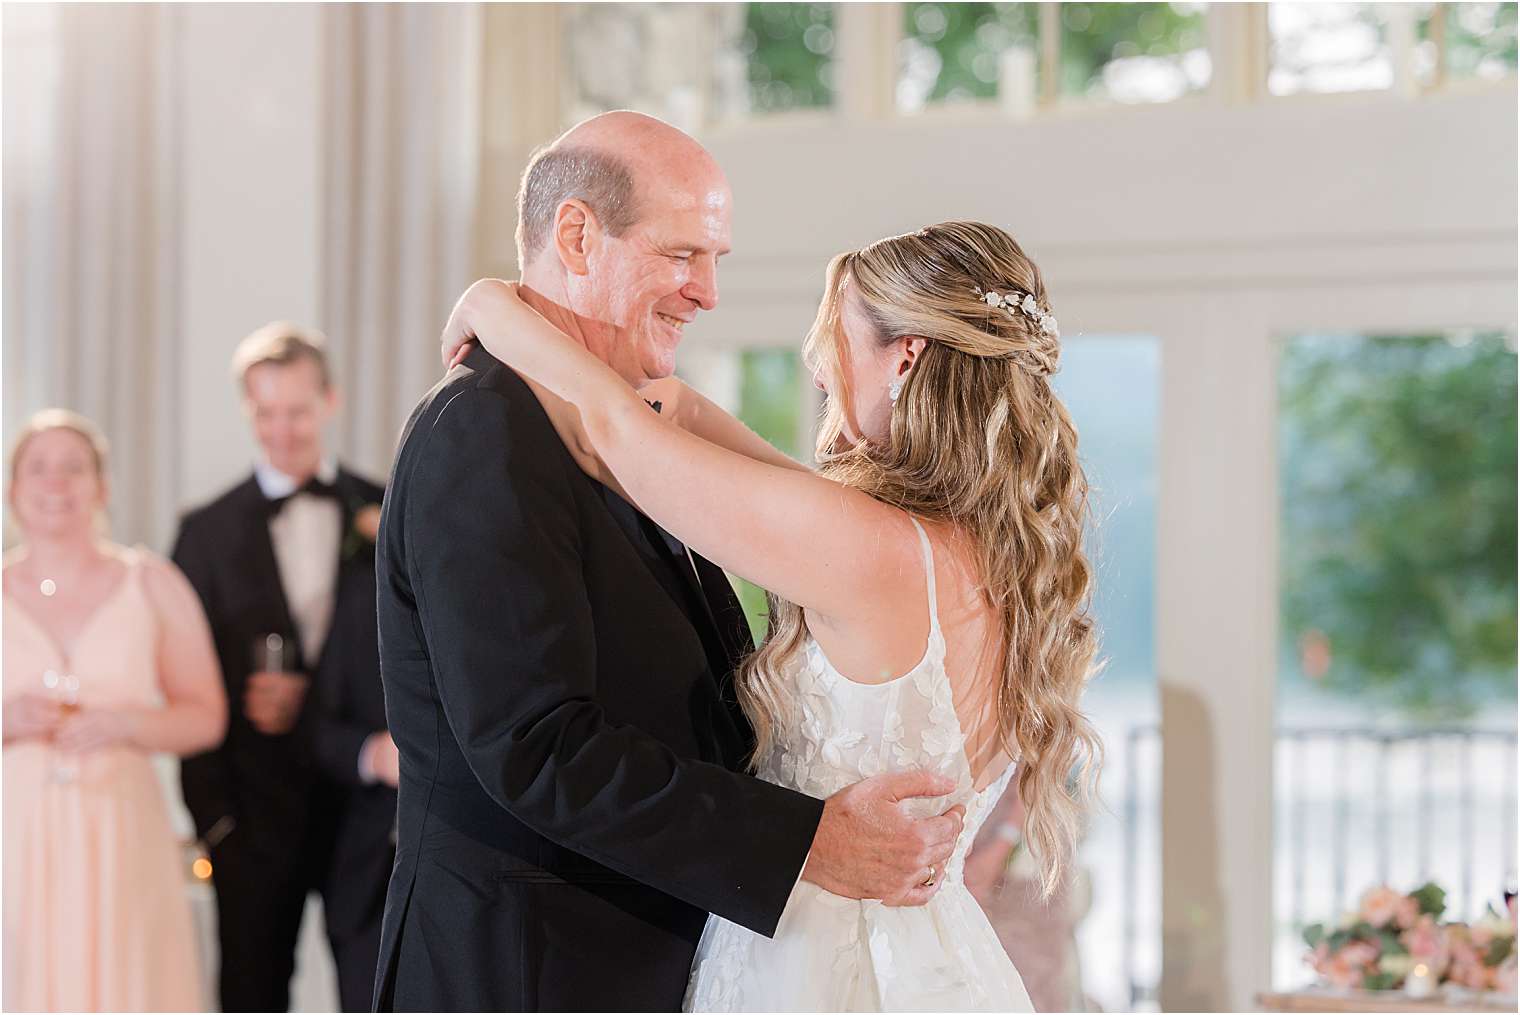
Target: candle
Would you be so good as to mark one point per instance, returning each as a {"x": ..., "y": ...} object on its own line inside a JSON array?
[{"x": 1420, "y": 982}]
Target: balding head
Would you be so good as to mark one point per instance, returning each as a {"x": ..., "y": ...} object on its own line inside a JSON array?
[
  {"x": 622, "y": 222},
  {"x": 608, "y": 162}
]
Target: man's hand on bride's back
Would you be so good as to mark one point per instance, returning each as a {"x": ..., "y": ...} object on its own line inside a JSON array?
[{"x": 867, "y": 847}]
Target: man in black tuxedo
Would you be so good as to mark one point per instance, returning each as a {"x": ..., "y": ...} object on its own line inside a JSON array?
[
  {"x": 355, "y": 751},
  {"x": 559, "y": 671},
  {"x": 281, "y": 565}
]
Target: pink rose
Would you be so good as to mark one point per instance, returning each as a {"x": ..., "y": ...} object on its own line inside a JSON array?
[
  {"x": 1425, "y": 941},
  {"x": 1406, "y": 912},
  {"x": 1341, "y": 973},
  {"x": 1361, "y": 953},
  {"x": 1380, "y": 905}
]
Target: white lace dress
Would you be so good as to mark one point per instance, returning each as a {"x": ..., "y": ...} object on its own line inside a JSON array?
[{"x": 837, "y": 954}]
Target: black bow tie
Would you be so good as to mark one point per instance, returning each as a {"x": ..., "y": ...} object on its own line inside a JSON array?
[{"x": 313, "y": 486}]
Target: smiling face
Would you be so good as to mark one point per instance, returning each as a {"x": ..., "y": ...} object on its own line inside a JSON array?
[
  {"x": 650, "y": 282},
  {"x": 57, "y": 489},
  {"x": 289, "y": 406}
]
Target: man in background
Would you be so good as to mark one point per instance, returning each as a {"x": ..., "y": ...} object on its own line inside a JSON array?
[{"x": 284, "y": 565}]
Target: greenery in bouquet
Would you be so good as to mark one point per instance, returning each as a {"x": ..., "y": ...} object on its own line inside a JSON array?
[{"x": 1392, "y": 933}]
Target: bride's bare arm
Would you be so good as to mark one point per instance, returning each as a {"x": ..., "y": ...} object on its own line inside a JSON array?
[
  {"x": 695, "y": 413},
  {"x": 825, "y": 546}
]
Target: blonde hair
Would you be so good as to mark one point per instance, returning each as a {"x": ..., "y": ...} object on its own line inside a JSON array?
[
  {"x": 281, "y": 343},
  {"x": 62, "y": 419},
  {"x": 978, "y": 440}
]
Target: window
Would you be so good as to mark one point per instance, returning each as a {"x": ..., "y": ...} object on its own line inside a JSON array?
[
  {"x": 1465, "y": 41},
  {"x": 1396, "y": 704},
  {"x": 959, "y": 52},
  {"x": 788, "y": 50},
  {"x": 1480, "y": 40},
  {"x": 696, "y": 64},
  {"x": 1324, "y": 47},
  {"x": 1141, "y": 52},
  {"x": 956, "y": 52}
]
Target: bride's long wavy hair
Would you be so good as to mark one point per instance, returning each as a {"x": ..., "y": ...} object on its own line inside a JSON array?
[{"x": 980, "y": 441}]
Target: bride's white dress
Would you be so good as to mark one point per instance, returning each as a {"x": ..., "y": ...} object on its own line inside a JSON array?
[{"x": 837, "y": 954}]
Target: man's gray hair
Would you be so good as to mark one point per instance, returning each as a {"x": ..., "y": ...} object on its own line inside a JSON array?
[{"x": 555, "y": 175}]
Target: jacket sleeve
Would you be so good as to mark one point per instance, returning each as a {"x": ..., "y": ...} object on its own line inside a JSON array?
[
  {"x": 204, "y": 779},
  {"x": 338, "y": 734},
  {"x": 494, "y": 553}
]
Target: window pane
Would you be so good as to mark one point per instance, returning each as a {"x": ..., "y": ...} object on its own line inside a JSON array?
[
  {"x": 955, "y": 52},
  {"x": 770, "y": 396},
  {"x": 1140, "y": 52},
  {"x": 1480, "y": 40},
  {"x": 1396, "y": 703},
  {"x": 789, "y": 50},
  {"x": 1328, "y": 47},
  {"x": 693, "y": 64}
]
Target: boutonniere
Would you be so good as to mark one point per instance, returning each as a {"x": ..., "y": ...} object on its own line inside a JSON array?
[{"x": 364, "y": 530}]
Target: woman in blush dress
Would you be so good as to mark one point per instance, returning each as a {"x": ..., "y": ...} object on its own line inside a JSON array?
[
  {"x": 107, "y": 661},
  {"x": 930, "y": 590}
]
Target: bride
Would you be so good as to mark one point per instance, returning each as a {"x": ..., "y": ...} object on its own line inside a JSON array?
[{"x": 929, "y": 592}]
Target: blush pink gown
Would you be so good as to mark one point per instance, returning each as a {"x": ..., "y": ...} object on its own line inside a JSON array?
[{"x": 97, "y": 915}]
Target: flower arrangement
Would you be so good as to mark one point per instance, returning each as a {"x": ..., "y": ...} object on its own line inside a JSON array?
[{"x": 1394, "y": 940}]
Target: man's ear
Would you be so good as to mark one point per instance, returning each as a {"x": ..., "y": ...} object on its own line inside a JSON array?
[{"x": 576, "y": 233}]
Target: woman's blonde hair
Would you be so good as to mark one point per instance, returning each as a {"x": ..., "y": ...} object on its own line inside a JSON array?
[
  {"x": 62, "y": 419},
  {"x": 980, "y": 441}
]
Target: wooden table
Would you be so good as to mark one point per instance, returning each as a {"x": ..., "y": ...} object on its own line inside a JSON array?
[{"x": 1320, "y": 999}]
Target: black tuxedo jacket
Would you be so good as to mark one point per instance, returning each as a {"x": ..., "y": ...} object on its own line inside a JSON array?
[
  {"x": 268, "y": 785},
  {"x": 350, "y": 707},
  {"x": 558, "y": 676}
]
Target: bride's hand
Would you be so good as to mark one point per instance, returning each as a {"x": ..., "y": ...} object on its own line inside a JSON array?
[{"x": 489, "y": 299}]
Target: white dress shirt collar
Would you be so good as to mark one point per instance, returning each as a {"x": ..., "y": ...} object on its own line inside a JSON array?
[{"x": 276, "y": 484}]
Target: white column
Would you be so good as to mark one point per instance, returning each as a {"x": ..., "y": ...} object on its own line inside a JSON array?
[
  {"x": 1216, "y": 616},
  {"x": 865, "y": 79}
]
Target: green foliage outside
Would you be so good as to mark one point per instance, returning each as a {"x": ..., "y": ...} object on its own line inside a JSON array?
[
  {"x": 770, "y": 395},
  {"x": 1092, "y": 35},
  {"x": 969, "y": 37},
  {"x": 790, "y": 50},
  {"x": 1398, "y": 540},
  {"x": 1477, "y": 35}
]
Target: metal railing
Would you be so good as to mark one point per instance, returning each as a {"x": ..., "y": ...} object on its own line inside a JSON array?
[{"x": 1353, "y": 807}]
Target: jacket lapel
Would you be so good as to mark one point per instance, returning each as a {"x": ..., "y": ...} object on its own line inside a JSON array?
[{"x": 352, "y": 550}]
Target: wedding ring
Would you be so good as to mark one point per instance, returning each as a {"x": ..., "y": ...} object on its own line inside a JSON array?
[{"x": 928, "y": 882}]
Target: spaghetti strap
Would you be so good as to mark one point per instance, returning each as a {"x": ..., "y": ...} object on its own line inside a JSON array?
[{"x": 928, "y": 548}]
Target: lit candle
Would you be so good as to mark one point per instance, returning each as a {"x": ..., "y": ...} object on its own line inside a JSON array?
[{"x": 1420, "y": 982}]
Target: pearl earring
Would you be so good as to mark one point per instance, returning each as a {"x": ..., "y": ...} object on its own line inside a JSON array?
[{"x": 894, "y": 389}]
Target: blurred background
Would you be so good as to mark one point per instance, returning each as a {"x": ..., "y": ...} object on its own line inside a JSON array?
[{"x": 1281, "y": 240}]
